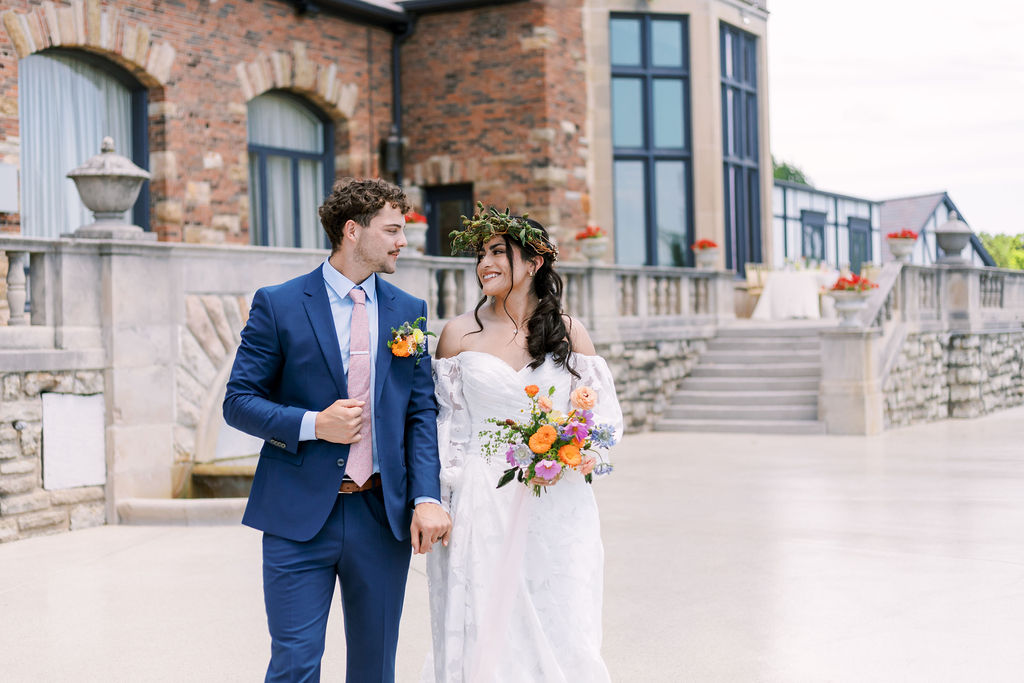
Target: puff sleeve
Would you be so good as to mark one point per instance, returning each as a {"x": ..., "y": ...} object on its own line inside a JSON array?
[{"x": 453, "y": 423}]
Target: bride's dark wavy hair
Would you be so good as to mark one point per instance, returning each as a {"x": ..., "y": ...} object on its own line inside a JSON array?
[{"x": 546, "y": 331}]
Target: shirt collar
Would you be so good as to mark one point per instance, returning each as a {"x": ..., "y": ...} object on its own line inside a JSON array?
[{"x": 342, "y": 285}]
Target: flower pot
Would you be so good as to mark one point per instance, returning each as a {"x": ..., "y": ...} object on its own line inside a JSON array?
[
  {"x": 706, "y": 258},
  {"x": 593, "y": 248},
  {"x": 849, "y": 304},
  {"x": 901, "y": 248},
  {"x": 416, "y": 234}
]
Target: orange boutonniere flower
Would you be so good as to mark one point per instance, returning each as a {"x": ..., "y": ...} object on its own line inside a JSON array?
[{"x": 409, "y": 339}]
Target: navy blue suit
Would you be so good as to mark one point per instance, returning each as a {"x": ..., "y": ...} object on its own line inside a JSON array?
[{"x": 289, "y": 362}]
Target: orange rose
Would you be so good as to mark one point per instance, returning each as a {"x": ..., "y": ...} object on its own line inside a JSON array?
[
  {"x": 584, "y": 398},
  {"x": 544, "y": 403},
  {"x": 570, "y": 455},
  {"x": 541, "y": 441},
  {"x": 401, "y": 348},
  {"x": 532, "y": 390}
]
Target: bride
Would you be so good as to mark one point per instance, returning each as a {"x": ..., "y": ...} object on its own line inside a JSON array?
[{"x": 516, "y": 594}]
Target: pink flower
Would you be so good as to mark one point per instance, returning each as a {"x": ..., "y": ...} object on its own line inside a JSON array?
[
  {"x": 548, "y": 469},
  {"x": 544, "y": 403}
]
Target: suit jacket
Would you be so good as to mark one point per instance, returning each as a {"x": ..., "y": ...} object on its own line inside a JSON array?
[{"x": 289, "y": 362}]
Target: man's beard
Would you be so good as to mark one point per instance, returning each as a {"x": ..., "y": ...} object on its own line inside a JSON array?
[{"x": 376, "y": 264}]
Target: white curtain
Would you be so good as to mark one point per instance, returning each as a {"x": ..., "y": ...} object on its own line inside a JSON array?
[
  {"x": 66, "y": 107},
  {"x": 281, "y": 122}
]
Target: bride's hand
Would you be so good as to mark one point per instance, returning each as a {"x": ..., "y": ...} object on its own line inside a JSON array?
[{"x": 588, "y": 464}]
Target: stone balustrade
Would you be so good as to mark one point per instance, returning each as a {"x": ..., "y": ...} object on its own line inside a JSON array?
[
  {"x": 153, "y": 328},
  {"x": 934, "y": 342}
]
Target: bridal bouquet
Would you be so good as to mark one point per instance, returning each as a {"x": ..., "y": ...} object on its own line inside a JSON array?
[{"x": 540, "y": 449}]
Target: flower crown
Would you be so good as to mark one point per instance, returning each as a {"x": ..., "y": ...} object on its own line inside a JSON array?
[{"x": 489, "y": 223}]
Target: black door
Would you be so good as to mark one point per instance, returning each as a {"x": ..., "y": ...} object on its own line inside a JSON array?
[{"x": 445, "y": 206}]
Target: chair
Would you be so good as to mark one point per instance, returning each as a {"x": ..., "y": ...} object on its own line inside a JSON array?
[{"x": 755, "y": 278}]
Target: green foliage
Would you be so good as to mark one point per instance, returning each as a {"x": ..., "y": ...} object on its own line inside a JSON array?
[
  {"x": 786, "y": 171},
  {"x": 1006, "y": 250}
]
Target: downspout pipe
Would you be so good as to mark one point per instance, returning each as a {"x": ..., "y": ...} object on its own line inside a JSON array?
[{"x": 396, "y": 83}]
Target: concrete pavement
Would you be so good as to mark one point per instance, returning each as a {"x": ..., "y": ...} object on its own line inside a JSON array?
[{"x": 729, "y": 558}]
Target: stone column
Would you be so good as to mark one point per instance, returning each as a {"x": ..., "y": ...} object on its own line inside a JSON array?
[
  {"x": 960, "y": 290},
  {"x": 850, "y": 400}
]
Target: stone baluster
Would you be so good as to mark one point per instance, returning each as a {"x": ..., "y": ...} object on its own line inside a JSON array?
[
  {"x": 449, "y": 293},
  {"x": 673, "y": 296},
  {"x": 16, "y": 293},
  {"x": 665, "y": 305},
  {"x": 653, "y": 296},
  {"x": 433, "y": 303}
]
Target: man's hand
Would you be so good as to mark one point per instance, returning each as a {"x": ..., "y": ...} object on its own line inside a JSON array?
[
  {"x": 340, "y": 421},
  {"x": 430, "y": 524}
]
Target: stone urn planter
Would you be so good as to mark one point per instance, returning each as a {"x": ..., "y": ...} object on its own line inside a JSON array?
[
  {"x": 109, "y": 184},
  {"x": 953, "y": 236},
  {"x": 416, "y": 234},
  {"x": 706, "y": 258},
  {"x": 901, "y": 248},
  {"x": 849, "y": 304},
  {"x": 593, "y": 248}
]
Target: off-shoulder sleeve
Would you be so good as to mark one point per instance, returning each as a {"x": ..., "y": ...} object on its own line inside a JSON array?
[
  {"x": 594, "y": 373},
  {"x": 453, "y": 423}
]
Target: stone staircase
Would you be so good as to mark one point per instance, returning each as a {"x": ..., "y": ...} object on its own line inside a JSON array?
[{"x": 761, "y": 379}]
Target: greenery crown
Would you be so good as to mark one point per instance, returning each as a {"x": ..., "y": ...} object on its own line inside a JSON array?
[{"x": 488, "y": 223}]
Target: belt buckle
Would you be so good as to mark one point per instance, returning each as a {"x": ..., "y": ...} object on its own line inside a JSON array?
[{"x": 344, "y": 481}]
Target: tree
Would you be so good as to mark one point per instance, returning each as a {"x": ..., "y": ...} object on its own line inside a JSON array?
[
  {"x": 1006, "y": 250},
  {"x": 787, "y": 171}
]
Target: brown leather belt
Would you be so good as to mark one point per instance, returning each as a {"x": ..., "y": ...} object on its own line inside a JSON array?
[{"x": 349, "y": 486}]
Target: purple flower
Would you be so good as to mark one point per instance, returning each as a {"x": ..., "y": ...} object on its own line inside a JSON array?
[
  {"x": 510, "y": 456},
  {"x": 576, "y": 430},
  {"x": 548, "y": 469}
]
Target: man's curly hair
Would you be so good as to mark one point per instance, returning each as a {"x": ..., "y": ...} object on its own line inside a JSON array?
[{"x": 358, "y": 199}]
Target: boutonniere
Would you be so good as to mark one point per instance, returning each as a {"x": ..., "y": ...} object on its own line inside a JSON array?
[{"x": 409, "y": 339}]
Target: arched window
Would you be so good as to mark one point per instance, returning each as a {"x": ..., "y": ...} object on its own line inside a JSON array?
[
  {"x": 67, "y": 103},
  {"x": 290, "y": 170}
]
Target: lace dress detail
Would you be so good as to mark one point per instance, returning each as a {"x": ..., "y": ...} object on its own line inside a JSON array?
[{"x": 516, "y": 595}]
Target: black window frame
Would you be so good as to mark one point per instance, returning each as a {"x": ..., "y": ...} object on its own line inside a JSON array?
[
  {"x": 258, "y": 232},
  {"x": 816, "y": 221},
  {"x": 649, "y": 155},
  {"x": 743, "y": 238},
  {"x": 862, "y": 228}
]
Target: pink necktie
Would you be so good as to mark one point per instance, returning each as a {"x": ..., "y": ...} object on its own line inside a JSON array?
[{"x": 360, "y": 454}]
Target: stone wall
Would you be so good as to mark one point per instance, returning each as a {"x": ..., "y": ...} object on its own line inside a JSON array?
[
  {"x": 917, "y": 388},
  {"x": 940, "y": 375},
  {"x": 26, "y": 508},
  {"x": 647, "y": 375},
  {"x": 495, "y": 96}
]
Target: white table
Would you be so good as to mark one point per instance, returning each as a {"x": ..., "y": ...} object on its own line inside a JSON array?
[{"x": 792, "y": 294}]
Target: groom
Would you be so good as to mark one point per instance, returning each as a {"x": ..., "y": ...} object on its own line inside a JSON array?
[{"x": 348, "y": 474}]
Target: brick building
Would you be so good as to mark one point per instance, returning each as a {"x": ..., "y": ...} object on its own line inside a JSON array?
[{"x": 647, "y": 118}]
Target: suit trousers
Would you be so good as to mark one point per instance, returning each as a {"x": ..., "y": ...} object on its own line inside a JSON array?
[{"x": 356, "y": 548}]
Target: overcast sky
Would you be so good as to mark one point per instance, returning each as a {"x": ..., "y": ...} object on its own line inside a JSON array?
[{"x": 890, "y": 98}]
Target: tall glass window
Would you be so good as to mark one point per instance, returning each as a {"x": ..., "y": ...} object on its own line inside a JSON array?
[
  {"x": 67, "y": 103},
  {"x": 290, "y": 171},
  {"x": 651, "y": 139},
  {"x": 740, "y": 147}
]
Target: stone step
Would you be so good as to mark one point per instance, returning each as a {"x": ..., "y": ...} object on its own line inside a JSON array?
[
  {"x": 747, "y": 384},
  {"x": 774, "y": 370},
  {"x": 742, "y": 413},
  {"x": 744, "y": 398},
  {"x": 766, "y": 343},
  {"x": 744, "y": 426},
  {"x": 745, "y": 331},
  {"x": 760, "y": 357}
]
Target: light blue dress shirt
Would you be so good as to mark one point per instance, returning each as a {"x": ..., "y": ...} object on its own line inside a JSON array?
[{"x": 338, "y": 287}]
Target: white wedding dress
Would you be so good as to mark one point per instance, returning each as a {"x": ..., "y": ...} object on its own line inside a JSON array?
[{"x": 516, "y": 595}]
